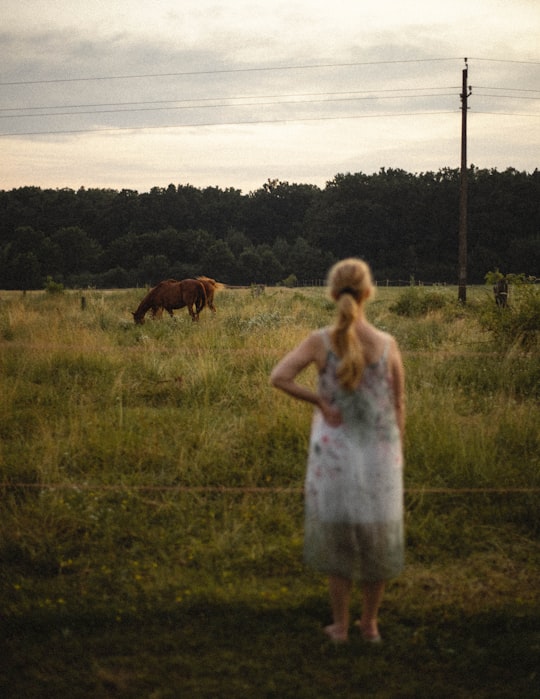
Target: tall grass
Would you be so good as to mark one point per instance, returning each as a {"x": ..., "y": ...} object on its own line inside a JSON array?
[{"x": 151, "y": 530}]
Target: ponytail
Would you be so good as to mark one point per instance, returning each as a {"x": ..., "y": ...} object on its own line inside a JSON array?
[
  {"x": 347, "y": 344},
  {"x": 349, "y": 284}
]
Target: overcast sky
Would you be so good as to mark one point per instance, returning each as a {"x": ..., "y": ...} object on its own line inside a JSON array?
[{"x": 131, "y": 94}]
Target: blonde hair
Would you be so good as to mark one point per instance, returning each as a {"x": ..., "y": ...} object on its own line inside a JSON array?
[{"x": 349, "y": 285}]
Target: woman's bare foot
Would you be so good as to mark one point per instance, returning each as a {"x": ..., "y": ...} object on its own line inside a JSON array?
[
  {"x": 336, "y": 633},
  {"x": 370, "y": 632}
]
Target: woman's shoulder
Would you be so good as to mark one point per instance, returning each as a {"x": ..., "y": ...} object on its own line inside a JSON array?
[
  {"x": 384, "y": 337},
  {"x": 321, "y": 344},
  {"x": 391, "y": 347},
  {"x": 372, "y": 335},
  {"x": 378, "y": 344},
  {"x": 388, "y": 338},
  {"x": 319, "y": 337}
]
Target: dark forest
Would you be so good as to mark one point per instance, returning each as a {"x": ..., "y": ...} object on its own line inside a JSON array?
[{"x": 405, "y": 225}]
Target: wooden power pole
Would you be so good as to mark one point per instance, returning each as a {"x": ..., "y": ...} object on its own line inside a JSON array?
[{"x": 462, "y": 255}]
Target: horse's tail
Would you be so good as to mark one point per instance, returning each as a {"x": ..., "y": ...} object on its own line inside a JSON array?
[{"x": 200, "y": 301}]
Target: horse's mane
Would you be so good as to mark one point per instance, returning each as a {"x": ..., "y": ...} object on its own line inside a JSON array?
[{"x": 213, "y": 282}]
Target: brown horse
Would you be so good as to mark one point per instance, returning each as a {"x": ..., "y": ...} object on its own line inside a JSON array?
[
  {"x": 171, "y": 294},
  {"x": 210, "y": 286}
]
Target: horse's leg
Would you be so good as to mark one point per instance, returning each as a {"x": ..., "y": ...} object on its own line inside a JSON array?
[
  {"x": 192, "y": 312},
  {"x": 210, "y": 302},
  {"x": 199, "y": 306}
]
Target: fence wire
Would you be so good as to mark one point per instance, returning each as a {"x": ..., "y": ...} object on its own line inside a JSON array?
[{"x": 241, "y": 489}]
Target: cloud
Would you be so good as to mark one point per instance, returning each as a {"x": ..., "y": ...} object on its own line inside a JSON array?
[{"x": 327, "y": 86}]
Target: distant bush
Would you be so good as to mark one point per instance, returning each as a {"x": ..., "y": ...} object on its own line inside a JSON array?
[
  {"x": 52, "y": 287},
  {"x": 414, "y": 302},
  {"x": 290, "y": 281},
  {"x": 518, "y": 324}
]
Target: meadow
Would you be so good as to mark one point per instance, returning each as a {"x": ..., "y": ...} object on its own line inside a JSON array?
[{"x": 151, "y": 484}]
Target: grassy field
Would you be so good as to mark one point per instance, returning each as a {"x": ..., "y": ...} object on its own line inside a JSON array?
[{"x": 151, "y": 529}]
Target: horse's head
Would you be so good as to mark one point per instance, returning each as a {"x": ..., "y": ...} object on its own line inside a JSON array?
[{"x": 138, "y": 318}]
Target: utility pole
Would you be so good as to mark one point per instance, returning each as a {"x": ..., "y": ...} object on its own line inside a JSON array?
[{"x": 462, "y": 255}]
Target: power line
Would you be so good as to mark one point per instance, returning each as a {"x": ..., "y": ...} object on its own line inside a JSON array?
[
  {"x": 210, "y": 99},
  {"x": 222, "y": 123},
  {"x": 221, "y": 105},
  {"x": 508, "y": 97},
  {"x": 221, "y": 71},
  {"x": 509, "y": 89},
  {"x": 504, "y": 60},
  {"x": 510, "y": 114},
  {"x": 228, "y": 102}
]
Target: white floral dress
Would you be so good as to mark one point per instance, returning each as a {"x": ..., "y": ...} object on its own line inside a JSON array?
[{"x": 354, "y": 479}]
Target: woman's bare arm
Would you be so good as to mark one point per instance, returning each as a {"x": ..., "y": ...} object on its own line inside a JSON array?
[
  {"x": 398, "y": 383},
  {"x": 311, "y": 350}
]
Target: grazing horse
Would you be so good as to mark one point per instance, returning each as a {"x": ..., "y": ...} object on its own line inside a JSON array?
[
  {"x": 210, "y": 286},
  {"x": 171, "y": 294}
]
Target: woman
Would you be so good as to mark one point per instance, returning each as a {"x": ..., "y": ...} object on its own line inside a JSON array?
[{"x": 354, "y": 482}]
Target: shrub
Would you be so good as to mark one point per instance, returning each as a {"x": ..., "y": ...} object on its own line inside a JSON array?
[
  {"x": 414, "y": 302},
  {"x": 518, "y": 324},
  {"x": 290, "y": 281},
  {"x": 52, "y": 287}
]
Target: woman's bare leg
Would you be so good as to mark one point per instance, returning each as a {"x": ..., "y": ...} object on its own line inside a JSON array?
[
  {"x": 371, "y": 601},
  {"x": 340, "y": 599}
]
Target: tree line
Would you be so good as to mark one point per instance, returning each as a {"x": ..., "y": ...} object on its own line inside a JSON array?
[{"x": 405, "y": 225}]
